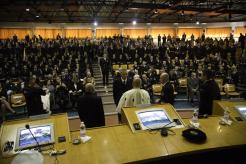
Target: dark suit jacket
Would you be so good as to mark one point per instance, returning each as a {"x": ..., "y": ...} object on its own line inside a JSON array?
[
  {"x": 119, "y": 88},
  {"x": 90, "y": 109},
  {"x": 167, "y": 93},
  {"x": 209, "y": 91},
  {"x": 33, "y": 100},
  {"x": 105, "y": 65}
]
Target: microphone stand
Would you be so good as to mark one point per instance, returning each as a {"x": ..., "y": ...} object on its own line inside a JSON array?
[{"x": 38, "y": 146}]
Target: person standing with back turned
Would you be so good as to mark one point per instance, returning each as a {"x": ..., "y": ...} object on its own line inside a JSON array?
[
  {"x": 90, "y": 108},
  {"x": 209, "y": 91}
]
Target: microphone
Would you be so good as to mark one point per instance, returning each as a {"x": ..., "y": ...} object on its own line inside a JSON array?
[{"x": 38, "y": 146}]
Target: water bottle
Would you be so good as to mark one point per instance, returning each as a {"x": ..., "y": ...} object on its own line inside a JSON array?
[
  {"x": 226, "y": 114},
  {"x": 82, "y": 129},
  {"x": 195, "y": 116}
]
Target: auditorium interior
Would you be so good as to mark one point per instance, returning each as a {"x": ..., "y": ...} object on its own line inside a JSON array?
[{"x": 122, "y": 81}]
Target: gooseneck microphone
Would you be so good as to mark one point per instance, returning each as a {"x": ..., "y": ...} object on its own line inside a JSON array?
[{"x": 38, "y": 146}]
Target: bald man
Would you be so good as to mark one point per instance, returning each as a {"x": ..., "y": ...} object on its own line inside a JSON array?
[
  {"x": 167, "y": 92},
  {"x": 133, "y": 97}
]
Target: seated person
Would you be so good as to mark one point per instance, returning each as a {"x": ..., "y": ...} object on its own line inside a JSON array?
[
  {"x": 90, "y": 108},
  {"x": 89, "y": 79},
  {"x": 75, "y": 90},
  {"x": 193, "y": 85},
  {"x": 3, "y": 103},
  {"x": 62, "y": 96},
  {"x": 133, "y": 97}
]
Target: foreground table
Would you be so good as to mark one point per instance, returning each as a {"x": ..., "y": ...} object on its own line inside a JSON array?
[{"x": 118, "y": 144}]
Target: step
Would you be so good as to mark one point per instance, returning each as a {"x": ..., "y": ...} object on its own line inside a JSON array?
[
  {"x": 107, "y": 99},
  {"x": 101, "y": 83},
  {"x": 102, "y": 94},
  {"x": 102, "y": 87},
  {"x": 107, "y": 95},
  {"x": 100, "y": 78},
  {"x": 108, "y": 103},
  {"x": 109, "y": 108},
  {"x": 104, "y": 90},
  {"x": 97, "y": 76}
]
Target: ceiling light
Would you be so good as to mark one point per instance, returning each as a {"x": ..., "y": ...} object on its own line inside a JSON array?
[
  {"x": 27, "y": 9},
  {"x": 156, "y": 11},
  {"x": 148, "y": 23},
  {"x": 134, "y": 22},
  {"x": 37, "y": 16},
  {"x": 204, "y": 23},
  {"x": 175, "y": 23},
  {"x": 121, "y": 23},
  {"x": 95, "y": 23},
  {"x": 61, "y": 9},
  {"x": 197, "y": 22}
]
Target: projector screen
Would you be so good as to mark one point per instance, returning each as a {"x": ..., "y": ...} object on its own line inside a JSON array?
[
  {"x": 242, "y": 110},
  {"x": 153, "y": 118},
  {"x": 44, "y": 134}
]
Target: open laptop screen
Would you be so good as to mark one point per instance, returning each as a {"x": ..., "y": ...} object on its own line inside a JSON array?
[{"x": 153, "y": 118}]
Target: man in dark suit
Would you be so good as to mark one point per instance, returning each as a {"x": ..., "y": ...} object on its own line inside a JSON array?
[
  {"x": 90, "y": 108},
  {"x": 209, "y": 91},
  {"x": 33, "y": 98},
  {"x": 167, "y": 92},
  {"x": 120, "y": 86},
  {"x": 105, "y": 67},
  {"x": 75, "y": 89}
]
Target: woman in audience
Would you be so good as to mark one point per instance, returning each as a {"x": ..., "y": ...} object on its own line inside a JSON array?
[{"x": 5, "y": 106}]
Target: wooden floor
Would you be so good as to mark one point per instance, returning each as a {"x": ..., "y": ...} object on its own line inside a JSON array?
[{"x": 112, "y": 120}]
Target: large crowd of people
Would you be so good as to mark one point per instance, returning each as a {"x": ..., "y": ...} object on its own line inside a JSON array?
[{"x": 63, "y": 66}]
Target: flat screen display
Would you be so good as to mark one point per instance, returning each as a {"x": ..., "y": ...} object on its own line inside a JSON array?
[
  {"x": 44, "y": 134},
  {"x": 153, "y": 118},
  {"x": 242, "y": 110}
]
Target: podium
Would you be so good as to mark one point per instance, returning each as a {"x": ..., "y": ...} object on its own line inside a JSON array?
[{"x": 130, "y": 114}]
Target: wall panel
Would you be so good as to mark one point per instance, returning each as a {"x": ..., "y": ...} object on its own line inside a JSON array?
[
  {"x": 71, "y": 33},
  {"x": 239, "y": 30},
  {"x": 10, "y": 32},
  {"x": 167, "y": 31},
  {"x": 107, "y": 32},
  {"x": 135, "y": 33},
  {"x": 218, "y": 32},
  {"x": 47, "y": 33},
  {"x": 197, "y": 32},
  {"x": 84, "y": 33}
]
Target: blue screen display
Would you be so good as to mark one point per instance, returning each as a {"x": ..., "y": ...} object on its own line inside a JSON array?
[
  {"x": 154, "y": 119},
  {"x": 41, "y": 133}
]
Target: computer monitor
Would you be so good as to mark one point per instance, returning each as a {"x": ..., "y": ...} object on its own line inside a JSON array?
[
  {"x": 153, "y": 118},
  {"x": 44, "y": 134},
  {"x": 241, "y": 110}
]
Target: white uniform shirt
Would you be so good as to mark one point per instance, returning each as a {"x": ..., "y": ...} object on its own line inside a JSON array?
[{"x": 132, "y": 98}]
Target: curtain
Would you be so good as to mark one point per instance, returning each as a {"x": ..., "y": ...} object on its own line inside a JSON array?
[
  {"x": 135, "y": 33},
  {"x": 162, "y": 31},
  {"x": 47, "y": 33},
  {"x": 197, "y": 32},
  {"x": 71, "y": 33},
  {"x": 218, "y": 32},
  {"x": 239, "y": 30},
  {"x": 84, "y": 33},
  {"x": 10, "y": 32},
  {"x": 107, "y": 32}
]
